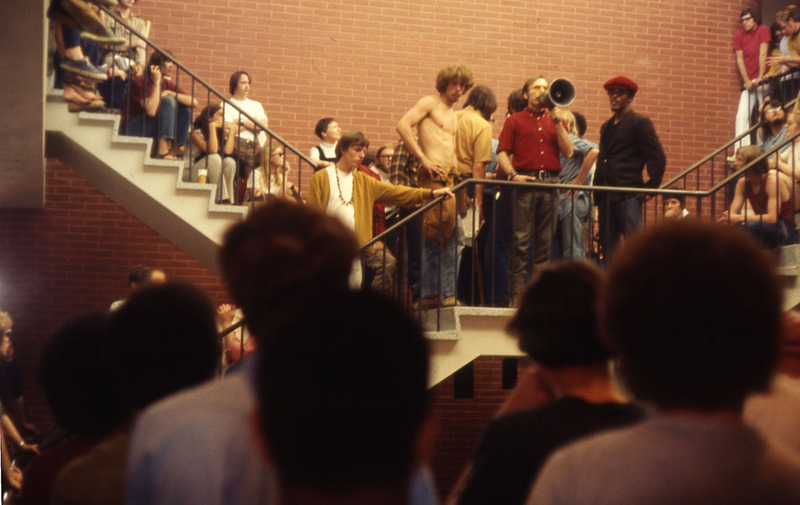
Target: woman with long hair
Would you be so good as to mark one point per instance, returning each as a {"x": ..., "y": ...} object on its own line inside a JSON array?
[
  {"x": 271, "y": 178},
  {"x": 214, "y": 142}
]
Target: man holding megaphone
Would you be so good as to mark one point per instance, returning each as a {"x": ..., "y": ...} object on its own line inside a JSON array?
[{"x": 528, "y": 152}]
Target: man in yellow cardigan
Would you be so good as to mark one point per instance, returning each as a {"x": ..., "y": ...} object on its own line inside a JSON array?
[{"x": 341, "y": 190}]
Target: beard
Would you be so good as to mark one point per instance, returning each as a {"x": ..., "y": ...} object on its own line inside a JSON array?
[{"x": 778, "y": 122}]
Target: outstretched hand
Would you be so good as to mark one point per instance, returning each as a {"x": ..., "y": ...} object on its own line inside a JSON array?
[{"x": 443, "y": 192}]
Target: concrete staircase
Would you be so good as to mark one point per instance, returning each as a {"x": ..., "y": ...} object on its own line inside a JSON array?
[
  {"x": 150, "y": 189},
  {"x": 458, "y": 335},
  {"x": 185, "y": 213},
  {"x": 789, "y": 269}
]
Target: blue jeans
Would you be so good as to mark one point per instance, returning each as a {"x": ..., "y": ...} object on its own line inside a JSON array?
[
  {"x": 494, "y": 240},
  {"x": 163, "y": 124},
  {"x": 770, "y": 236},
  {"x": 617, "y": 219},
  {"x": 450, "y": 257},
  {"x": 572, "y": 215}
]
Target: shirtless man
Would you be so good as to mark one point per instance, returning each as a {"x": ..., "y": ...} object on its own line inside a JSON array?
[{"x": 436, "y": 123}]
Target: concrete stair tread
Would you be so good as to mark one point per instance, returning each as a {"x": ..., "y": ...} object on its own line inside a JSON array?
[{"x": 152, "y": 189}]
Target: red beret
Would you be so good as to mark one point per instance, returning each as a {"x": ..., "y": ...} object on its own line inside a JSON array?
[{"x": 621, "y": 82}]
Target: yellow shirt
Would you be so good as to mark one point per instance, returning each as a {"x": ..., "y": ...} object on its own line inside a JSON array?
[
  {"x": 473, "y": 139},
  {"x": 794, "y": 44},
  {"x": 366, "y": 191}
]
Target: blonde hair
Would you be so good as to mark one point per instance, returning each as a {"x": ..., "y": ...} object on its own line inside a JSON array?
[
  {"x": 274, "y": 177},
  {"x": 569, "y": 117},
  {"x": 457, "y": 71}
]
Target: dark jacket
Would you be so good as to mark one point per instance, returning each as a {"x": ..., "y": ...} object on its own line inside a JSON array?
[{"x": 626, "y": 149}]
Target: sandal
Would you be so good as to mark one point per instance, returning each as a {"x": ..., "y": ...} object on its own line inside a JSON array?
[{"x": 169, "y": 157}]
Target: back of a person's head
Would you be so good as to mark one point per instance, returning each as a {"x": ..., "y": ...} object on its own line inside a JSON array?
[
  {"x": 556, "y": 323},
  {"x": 283, "y": 257},
  {"x": 163, "y": 339},
  {"x": 693, "y": 311},
  {"x": 76, "y": 380},
  {"x": 5, "y": 323},
  {"x": 343, "y": 394}
]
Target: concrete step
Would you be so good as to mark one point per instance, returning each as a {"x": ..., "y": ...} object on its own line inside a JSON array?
[{"x": 153, "y": 190}]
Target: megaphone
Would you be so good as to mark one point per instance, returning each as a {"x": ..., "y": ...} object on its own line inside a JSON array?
[{"x": 561, "y": 93}]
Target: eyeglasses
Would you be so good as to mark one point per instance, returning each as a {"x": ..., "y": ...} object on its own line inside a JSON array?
[
  {"x": 539, "y": 88},
  {"x": 746, "y": 19},
  {"x": 617, "y": 92}
]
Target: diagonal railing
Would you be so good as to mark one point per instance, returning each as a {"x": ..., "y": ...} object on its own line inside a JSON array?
[
  {"x": 207, "y": 93},
  {"x": 708, "y": 170}
]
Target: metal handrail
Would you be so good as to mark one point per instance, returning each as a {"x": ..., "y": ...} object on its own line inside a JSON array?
[
  {"x": 730, "y": 143},
  {"x": 216, "y": 93}
]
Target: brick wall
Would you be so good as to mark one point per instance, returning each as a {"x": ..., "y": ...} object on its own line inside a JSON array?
[
  {"x": 74, "y": 256},
  {"x": 462, "y": 420},
  {"x": 366, "y": 63}
]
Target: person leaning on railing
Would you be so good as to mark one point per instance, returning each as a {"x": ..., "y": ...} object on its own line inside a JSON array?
[
  {"x": 769, "y": 217},
  {"x": 156, "y": 107},
  {"x": 214, "y": 140}
]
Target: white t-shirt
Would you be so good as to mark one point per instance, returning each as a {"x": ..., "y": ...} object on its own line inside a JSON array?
[
  {"x": 346, "y": 213},
  {"x": 328, "y": 149},
  {"x": 254, "y": 109}
]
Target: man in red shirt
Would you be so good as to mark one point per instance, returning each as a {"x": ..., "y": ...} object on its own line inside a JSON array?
[
  {"x": 530, "y": 143},
  {"x": 750, "y": 45}
]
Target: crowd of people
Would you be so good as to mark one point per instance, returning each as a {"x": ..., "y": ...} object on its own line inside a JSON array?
[
  {"x": 624, "y": 402},
  {"x": 326, "y": 396}
]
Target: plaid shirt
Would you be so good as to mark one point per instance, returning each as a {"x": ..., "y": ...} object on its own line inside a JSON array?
[{"x": 404, "y": 166}]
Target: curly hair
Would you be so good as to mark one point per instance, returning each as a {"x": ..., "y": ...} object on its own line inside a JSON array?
[{"x": 458, "y": 71}]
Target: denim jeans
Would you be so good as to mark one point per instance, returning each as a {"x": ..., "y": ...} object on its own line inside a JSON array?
[
  {"x": 163, "y": 124},
  {"x": 572, "y": 215},
  {"x": 450, "y": 256},
  {"x": 494, "y": 240},
  {"x": 617, "y": 219},
  {"x": 770, "y": 236}
]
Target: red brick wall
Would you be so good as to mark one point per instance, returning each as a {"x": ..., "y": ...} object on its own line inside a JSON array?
[
  {"x": 74, "y": 256},
  {"x": 461, "y": 420},
  {"x": 366, "y": 63}
]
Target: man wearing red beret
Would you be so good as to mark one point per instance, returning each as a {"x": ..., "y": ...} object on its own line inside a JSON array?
[{"x": 628, "y": 144}]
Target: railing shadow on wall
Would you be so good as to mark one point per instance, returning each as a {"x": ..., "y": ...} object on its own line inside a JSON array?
[{"x": 208, "y": 95}]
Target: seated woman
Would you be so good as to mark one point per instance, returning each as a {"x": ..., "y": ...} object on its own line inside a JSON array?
[
  {"x": 271, "y": 178},
  {"x": 768, "y": 214},
  {"x": 156, "y": 107},
  {"x": 214, "y": 141},
  {"x": 329, "y": 132}
]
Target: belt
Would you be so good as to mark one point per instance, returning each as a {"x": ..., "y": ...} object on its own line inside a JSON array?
[{"x": 542, "y": 174}]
